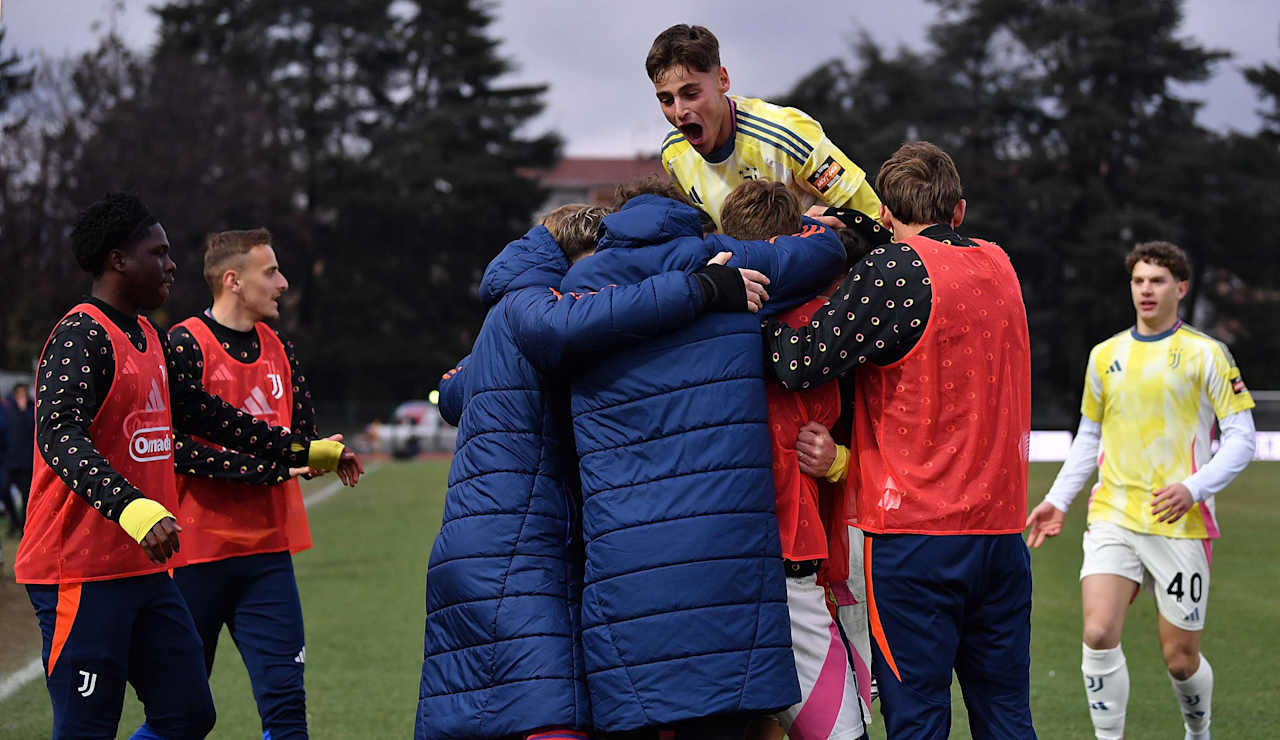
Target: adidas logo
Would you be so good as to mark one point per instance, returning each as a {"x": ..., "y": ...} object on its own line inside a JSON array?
[
  {"x": 1114, "y": 367},
  {"x": 155, "y": 399},
  {"x": 257, "y": 404},
  {"x": 222, "y": 374},
  {"x": 301, "y": 657},
  {"x": 1193, "y": 616}
]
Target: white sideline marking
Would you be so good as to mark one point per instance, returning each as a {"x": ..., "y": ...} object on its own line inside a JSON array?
[
  {"x": 329, "y": 491},
  {"x": 10, "y": 684},
  {"x": 21, "y": 677}
]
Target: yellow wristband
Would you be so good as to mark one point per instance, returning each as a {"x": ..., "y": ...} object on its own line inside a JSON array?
[
  {"x": 324, "y": 454},
  {"x": 839, "y": 466},
  {"x": 140, "y": 515}
]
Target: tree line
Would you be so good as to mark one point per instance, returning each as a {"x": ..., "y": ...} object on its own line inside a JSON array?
[{"x": 375, "y": 140}]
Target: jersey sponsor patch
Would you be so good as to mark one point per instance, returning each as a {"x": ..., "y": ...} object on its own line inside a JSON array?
[
  {"x": 826, "y": 175},
  {"x": 1237, "y": 384}
]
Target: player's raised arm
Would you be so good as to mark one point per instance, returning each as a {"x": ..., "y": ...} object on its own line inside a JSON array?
[{"x": 198, "y": 412}]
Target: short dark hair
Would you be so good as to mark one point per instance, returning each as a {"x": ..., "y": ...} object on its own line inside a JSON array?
[
  {"x": 223, "y": 248},
  {"x": 760, "y": 209},
  {"x": 1164, "y": 254},
  {"x": 116, "y": 222},
  {"x": 919, "y": 184},
  {"x": 692, "y": 47}
]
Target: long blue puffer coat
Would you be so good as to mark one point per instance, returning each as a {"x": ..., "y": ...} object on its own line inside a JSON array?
[
  {"x": 684, "y": 605},
  {"x": 502, "y": 653}
]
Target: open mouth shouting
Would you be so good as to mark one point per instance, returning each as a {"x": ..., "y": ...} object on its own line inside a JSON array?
[{"x": 693, "y": 133}]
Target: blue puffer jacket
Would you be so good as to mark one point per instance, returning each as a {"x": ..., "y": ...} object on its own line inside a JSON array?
[
  {"x": 502, "y": 653},
  {"x": 684, "y": 606}
]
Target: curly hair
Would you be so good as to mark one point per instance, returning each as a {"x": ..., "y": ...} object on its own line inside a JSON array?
[
  {"x": 1161, "y": 254},
  {"x": 115, "y": 222}
]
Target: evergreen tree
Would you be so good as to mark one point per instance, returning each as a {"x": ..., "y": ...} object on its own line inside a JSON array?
[{"x": 1073, "y": 142}]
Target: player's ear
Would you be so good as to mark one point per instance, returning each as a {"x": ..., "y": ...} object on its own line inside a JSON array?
[
  {"x": 886, "y": 217},
  {"x": 1183, "y": 285},
  {"x": 722, "y": 77},
  {"x": 230, "y": 281},
  {"x": 957, "y": 215}
]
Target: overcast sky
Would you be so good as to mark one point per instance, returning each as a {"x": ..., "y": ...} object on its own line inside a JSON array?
[{"x": 591, "y": 53}]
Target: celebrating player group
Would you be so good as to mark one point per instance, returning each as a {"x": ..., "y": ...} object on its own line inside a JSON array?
[{"x": 742, "y": 455}]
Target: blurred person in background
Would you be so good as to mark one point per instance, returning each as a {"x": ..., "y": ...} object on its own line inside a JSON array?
[
  {"x": 20, "y": 425},
  {"x": 1151, "y": 396}
]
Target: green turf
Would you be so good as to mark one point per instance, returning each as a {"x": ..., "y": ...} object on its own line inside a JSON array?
[{"x": 362, "y": 593}]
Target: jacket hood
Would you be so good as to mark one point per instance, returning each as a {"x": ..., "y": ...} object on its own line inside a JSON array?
[
  {"x": 534, "y": 260},
  {"x": 648, "y": 219}
]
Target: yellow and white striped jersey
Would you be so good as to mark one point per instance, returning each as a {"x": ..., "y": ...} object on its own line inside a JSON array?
[
  {"x": 1156, "y": 398},
  {"x": 771, "y": 143}
]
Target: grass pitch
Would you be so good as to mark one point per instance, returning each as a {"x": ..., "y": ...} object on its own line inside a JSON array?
[{"x": 363, "y": 591}]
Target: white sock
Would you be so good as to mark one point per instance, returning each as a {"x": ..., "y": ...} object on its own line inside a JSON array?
[
  {"x": 1106, "y": 686},
  {"x": 1195, "y": 694}
]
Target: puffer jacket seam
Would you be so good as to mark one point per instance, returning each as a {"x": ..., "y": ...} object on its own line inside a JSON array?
[
  {"x": 735, "y": 512},
  {"x": 496, "y": 555},
  {"x": 702, "y": 560},
  {"x": 460, "y": 481},
  {"x": 460, "y": 517},
  {"x": 626, "y": 668},
  {"x": 684, "y": 609},
  {"x": 650, "y": 395},
  {"x": 751, "y": 655},
  {"x": 506, "y": 577},
  {"x": 487, "y": 643},
  {"x": 683, "y": 475},
  {"x": 500, "y": 683},
  {"x": 455, "y": 604},
  {"x": 634, "y": 443}
]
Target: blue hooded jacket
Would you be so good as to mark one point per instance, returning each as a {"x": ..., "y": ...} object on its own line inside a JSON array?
[
  {"x": 502, "y": 652},
  {"x": 684, "y": 608}
]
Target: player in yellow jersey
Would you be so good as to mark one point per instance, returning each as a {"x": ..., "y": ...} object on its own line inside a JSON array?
[
  {"x": 1151, "y": 396},
  {"x": 720, "y": 141}
]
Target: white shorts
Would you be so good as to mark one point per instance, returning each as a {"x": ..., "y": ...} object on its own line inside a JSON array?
[
  {"x": 851, "y": 603},
  {"x": 1174, "y": 569},
  {"x": 829, "y": 704}
]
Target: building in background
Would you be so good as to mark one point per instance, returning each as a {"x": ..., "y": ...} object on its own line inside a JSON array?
[{"x": 589, "y": 179}]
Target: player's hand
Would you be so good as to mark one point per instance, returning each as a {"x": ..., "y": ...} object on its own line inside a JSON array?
[
  {"x": 1171, "y": 502},
  {"x": 815, "y": 449},
  {"x": 162, "y": 541},
  {"x": 818, "y": 213},
  {"x": 752, "y": 280},
  {"x": 349, "y": 468},
  {"x": 1044, "y": 521}
]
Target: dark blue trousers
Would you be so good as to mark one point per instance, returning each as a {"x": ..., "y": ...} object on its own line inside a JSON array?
[
  {"x": 938, "y": 603},
  {"x": 256, "y": 597},
  {"x": 100, "y": 635}
]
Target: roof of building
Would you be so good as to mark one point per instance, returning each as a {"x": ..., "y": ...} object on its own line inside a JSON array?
[{"x": 595, "y": 171}]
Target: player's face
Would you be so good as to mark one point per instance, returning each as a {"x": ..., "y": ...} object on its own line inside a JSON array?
[
  {"x": 694, "y": 102},
  {"x": 260, "y": 283},
  {"x": 1156, "y": 293},
  {"x": 148, "y": 270}
]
